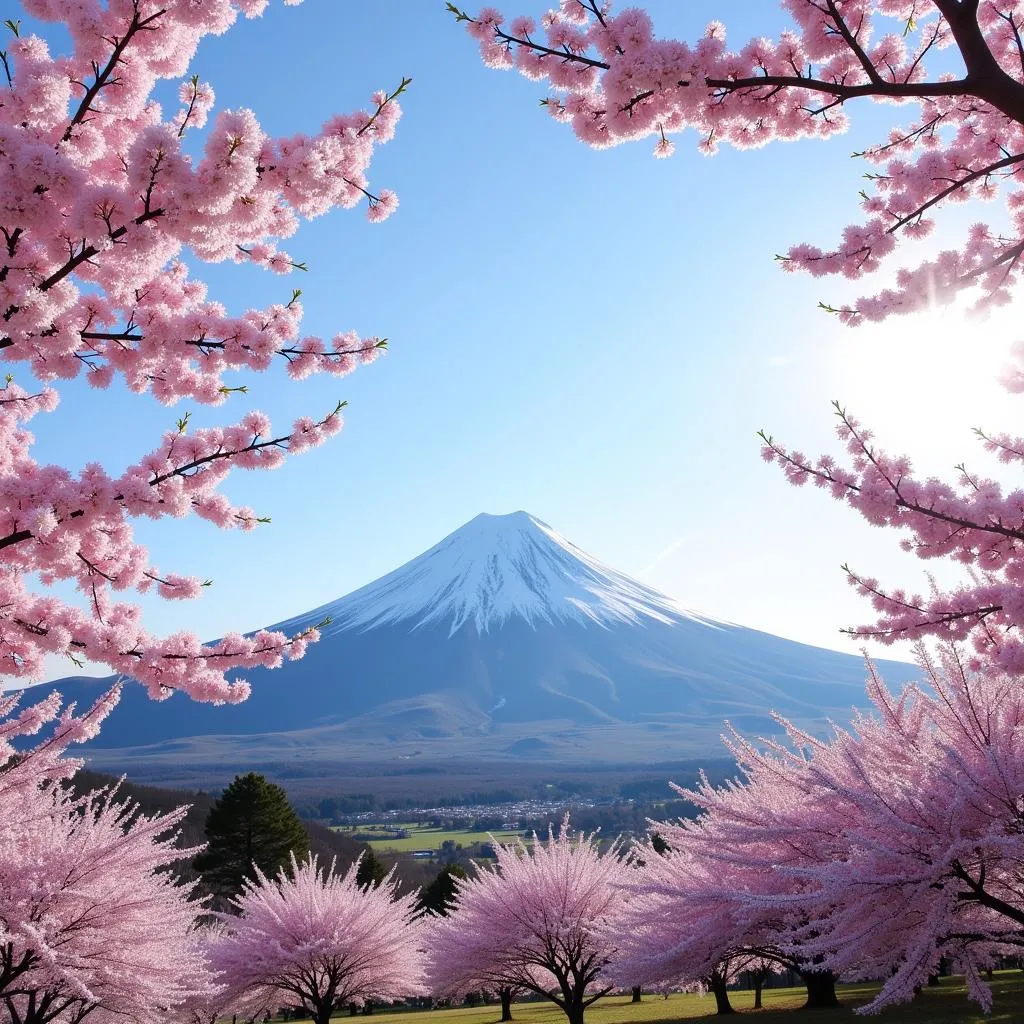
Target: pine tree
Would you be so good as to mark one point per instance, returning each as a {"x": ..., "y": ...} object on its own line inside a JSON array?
[
  {"x": 438, "y": 897},
  {"x": 659, "y": 844},
  {"x": 251, "y": 825},
  {"x": 371, "y": 872}
]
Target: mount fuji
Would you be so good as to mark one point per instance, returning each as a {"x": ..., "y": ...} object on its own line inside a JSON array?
[{"x": 504, "y": 641}]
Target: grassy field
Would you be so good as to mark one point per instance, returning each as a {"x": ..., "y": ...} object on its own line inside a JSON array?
[
  {"x": 423, "y": 838},
  {"x": 947, "y": 1004}
]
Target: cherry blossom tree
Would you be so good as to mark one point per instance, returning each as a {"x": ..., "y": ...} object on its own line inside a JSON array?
[
  {"x": 25, "y": 768},
  {"x": 758, "y": 969},
  {"x": 729, "y": 969},
  {"x": 221, "y": 998},
  {"x": 101, "y": 202},
  {"x": 875, "y": 854},
  {"x": 450, "y": 980},
  {"x": 974, "y": 523},
  {"x": 91, "y": 921},
  {"x": 685, "y": 924},
  {"x": 614, "y": 80},
  {"x": 534, "y": 921},
  {"x": 320, "y": 940}
]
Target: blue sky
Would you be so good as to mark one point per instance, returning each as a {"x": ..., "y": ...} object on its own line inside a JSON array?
[{"x": 594, "y": 337}]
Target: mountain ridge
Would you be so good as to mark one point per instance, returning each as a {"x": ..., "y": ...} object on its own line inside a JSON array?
[
  {"x": 504, "y": 640},
  {"x": 493, "y": 568}
]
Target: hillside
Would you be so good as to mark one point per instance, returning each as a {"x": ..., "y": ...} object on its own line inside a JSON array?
[
  {"x": 325, "y": 843},
  {"x": 502, "y": 643}
]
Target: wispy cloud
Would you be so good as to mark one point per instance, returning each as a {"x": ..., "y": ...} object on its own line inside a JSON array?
[{"x": 666, "y": 553}]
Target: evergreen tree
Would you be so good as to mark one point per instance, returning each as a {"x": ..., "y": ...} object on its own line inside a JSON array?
[
  {"x": 371, "y": 872},
  {"x": 659, "y": 844},
  {"x": 438, "y": 896},
  {"x": 252, "y": 825}
]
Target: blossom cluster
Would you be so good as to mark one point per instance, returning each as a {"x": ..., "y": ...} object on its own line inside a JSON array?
[
  {"x": 976, "y": 524},
  {"x": 95, "y": 920},
  {"x": 100, "y": 201},
  {"x": 876, "y": 854},
  {"x": 614, "y": 80},
  {"x": 28, "y": 767}
]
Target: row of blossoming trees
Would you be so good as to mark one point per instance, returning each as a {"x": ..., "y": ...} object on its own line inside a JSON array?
[
  {"x": 877, "y": 853},
  {"x": 103, "y": 196},
  {"x": 901, "y": 839}
]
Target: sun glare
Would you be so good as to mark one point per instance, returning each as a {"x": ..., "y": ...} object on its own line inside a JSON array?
[{"x": 923, "y": 385}]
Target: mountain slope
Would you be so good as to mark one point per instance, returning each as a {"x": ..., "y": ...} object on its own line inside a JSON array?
[
  {"x": 492, "y": 570},
  {"x": 503, "y": 641}
]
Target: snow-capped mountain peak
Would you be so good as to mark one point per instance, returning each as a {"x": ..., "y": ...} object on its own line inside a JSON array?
[
  {"x": 498, "y": 567},
  {"x": 504, "y": 642}
]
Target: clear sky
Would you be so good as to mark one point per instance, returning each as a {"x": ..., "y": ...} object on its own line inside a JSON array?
[{"x": 594, "y": 337}]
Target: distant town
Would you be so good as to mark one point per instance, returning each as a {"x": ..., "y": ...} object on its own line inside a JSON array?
[
  {"x": 505, "y": 815},
  {"x": 453, "y": 834}
]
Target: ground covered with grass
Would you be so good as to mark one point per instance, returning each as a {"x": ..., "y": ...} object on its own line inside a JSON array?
[
  {"x": 422, "y": 837},
  {"x": 946, "y": 1004}
]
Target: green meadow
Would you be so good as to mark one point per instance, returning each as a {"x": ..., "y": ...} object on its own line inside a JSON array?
[
  {"x": 421, "y": 837},
  {"x": 946, "y": 1004}
]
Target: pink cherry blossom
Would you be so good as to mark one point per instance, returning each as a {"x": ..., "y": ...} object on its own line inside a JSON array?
[
  {"x": 91, "y": 921},
  {"x": 220, "y": 998},
  {"x": 974, "y": 523},
  {"x": 320, "y": 941},
  {"x": 687, "y": 922},
  {"x": 873, "y": 854},
  {"x": 27, "y": 767},
  {"x": 100, "y": 204},
  {"x": 533, "y": 922},
  {"x": 614, "y": 80}
]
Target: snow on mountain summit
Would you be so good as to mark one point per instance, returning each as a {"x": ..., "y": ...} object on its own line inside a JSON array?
[
  {"x": 504, "y": 642},
  {"x": 498, "y": 567}
]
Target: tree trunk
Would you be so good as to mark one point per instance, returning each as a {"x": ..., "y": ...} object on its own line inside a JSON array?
[
  {"x": 574, "y": 1011},
  {"x": 758, "y": 985},
  {"x": 506, "y": 1003},
  {"x": 821, "y": 989},
  {"x": 636, "y": 994},
  {"x": 721, "y": 993}
]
